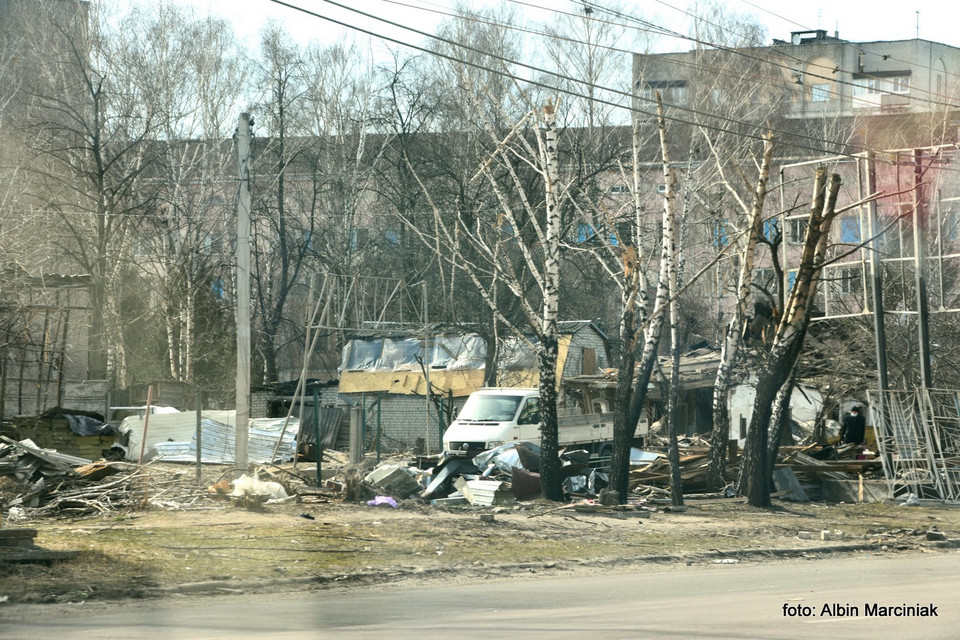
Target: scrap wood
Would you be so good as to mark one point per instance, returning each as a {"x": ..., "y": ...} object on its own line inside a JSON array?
[
  {"x": 569, "y": 505},
  {"x": 846, "y": 466},
  {"x": 97, "y": 470},
  {"x": 822, "y": 467}
]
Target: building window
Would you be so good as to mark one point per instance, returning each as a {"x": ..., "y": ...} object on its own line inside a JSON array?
[
  {"x": 874, "y": 85},
  {"x": 864, "y": 86},
  {"x": 820, "y": 92},
  {"x": 771, "y": 229},
  {"x": 850, "y": 281},
  {"x": 619, "y": 188},
  {"x": 765, "y": 278},
  {"x": 359, "y": 236},
  {"x": 585, "y": 232},
  {"x": 796, "y": 230},
  {"x": 720, "y": 237},
  {"x": 950, "y": 225},
  {"x": 672, "y": 91},
  {"x": 899, "y": 84},
  {"x": 677, "y": 95},
  {"x": 850, "y": 230}
]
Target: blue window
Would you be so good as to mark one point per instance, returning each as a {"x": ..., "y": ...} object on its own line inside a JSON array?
[
  {"x": 585, "y": 232},
  {"x": 791, "y": 279},
  {"x": 216, "y": 286},
  {"x": 392, "y": 236},
  {"x": 850, "y": 230},
  {"x": 771, "y": 229},
  {"x": 720, "y": 237},
  {"x": 613, "y": 240}
]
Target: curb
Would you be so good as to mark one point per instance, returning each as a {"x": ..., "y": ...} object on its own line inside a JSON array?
[{"x": 225, "y": 587}]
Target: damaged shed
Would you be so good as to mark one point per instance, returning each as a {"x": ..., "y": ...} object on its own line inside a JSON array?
[{"x": 384, "y": 372}]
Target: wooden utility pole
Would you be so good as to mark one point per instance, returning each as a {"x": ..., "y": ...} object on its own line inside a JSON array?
[{"x": 243, "y": 293}]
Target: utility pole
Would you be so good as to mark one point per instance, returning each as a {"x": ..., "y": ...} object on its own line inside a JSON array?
[
  {"x": 426, "y": 364},
  {"x": 243, "y": 294},
  {"x": 876, "y": 277},
  {"x": 920, "y": 267}
]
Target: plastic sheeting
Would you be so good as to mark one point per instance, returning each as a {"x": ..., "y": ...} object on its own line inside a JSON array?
[
  {"x": 172, "y": 427},
  {"x": 516, "y": 355},
  {"x": 406, "y": 354},
  {"x": 88, "y": 426},
  {"x": 219, "y": 446}
]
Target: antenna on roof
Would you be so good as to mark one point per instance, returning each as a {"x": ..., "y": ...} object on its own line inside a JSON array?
[{"x": 918, "y": 25}]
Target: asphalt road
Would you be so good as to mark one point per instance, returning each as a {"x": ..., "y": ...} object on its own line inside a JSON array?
[{"x": 717, "y": 601}]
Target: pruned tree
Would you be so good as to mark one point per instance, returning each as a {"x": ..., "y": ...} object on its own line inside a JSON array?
[
  {"x": 669, "y": 269},
  {"x": 640, "y": 325},
  {"x": 735, "y": 328},
  {"x": 778, "y": 364}
]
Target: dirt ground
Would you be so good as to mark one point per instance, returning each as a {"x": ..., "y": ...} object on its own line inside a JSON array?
[{"x": 183, "y": 540}]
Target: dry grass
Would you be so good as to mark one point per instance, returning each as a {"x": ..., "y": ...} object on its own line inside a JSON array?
[{"x": 131, "y": 554}]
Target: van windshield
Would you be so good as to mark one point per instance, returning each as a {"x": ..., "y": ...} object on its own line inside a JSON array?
[{"x": 490, "y": 408}]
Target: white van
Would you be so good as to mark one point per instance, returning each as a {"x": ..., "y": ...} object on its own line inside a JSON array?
[{"x": 495, "y": 416}]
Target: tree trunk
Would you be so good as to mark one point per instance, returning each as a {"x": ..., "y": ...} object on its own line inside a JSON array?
[
  {"x": 669, "y": 264},
  {"x": 623, "y": 428},
  {"x": 780, "y": 363},
  {"x": 551, "y": 481},
  {"x": 550, "y": 477},
  {"x": 734, "y": 331},
  {"x": 780, "y": 423}
]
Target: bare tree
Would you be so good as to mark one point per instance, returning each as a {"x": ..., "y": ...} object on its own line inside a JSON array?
[
  {"x": 519, "y": 245},
  {"x": 778, "y": 365},
  {"x": 92, "y": 135},
  {"x": 737, "y": 324}
]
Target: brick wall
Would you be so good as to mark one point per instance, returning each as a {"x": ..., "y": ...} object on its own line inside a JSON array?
[
  {"x": 402, "y": 422},
  {"x": 259, "y": 400}
]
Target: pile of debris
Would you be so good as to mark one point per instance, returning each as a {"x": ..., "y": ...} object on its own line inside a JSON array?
[
  {"x": 833, "y": 473},
  {"x": 497, "y": 477},
  {"x": 47, "y": 483}
]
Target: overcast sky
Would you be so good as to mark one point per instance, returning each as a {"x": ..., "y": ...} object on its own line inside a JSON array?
[{"x": 858, "y": 20}]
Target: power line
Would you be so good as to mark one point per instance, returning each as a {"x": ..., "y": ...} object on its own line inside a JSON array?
[
  {"x": 651, "y": 27},
  {"x": 783, "y": 53},
  {"x": 755, "y": 136},
  {"x": 554, "y": 36}
]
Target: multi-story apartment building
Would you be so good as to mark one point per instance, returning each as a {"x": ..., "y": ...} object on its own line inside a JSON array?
[
  {"x": 826, "y": 100},
  {"x": 882, "y": 94}
]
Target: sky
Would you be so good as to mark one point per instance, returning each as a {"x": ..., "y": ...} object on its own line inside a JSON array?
[{"x": 856, "y": 20}]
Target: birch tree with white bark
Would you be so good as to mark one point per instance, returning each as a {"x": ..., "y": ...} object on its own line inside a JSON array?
[
  {"x": 734, "y": 331},
  {"x": 518, "y": 246}
]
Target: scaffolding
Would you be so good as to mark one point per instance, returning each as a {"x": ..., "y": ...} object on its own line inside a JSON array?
[{"x": 918, "y": 438}]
